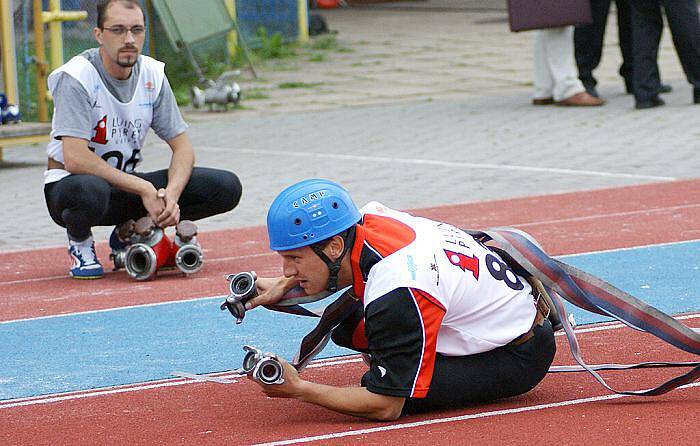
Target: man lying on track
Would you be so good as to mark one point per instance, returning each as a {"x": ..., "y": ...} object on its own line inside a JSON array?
[{"x": 442, "y": 319}]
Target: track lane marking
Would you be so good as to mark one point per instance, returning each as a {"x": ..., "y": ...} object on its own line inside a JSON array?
[
  {"x": 516, "y": 225},
  {"x": 612, "y": 214},
  {"x": 106, "y": 310},
  {"x": 427, "y": 162},
  {"x": 493, "y": 413},
  {"x": 172, "y": 382},
  {"x": 65, "y": 276}
]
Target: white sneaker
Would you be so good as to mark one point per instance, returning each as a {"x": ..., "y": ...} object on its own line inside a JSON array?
[{"x": 85, "y": 263}]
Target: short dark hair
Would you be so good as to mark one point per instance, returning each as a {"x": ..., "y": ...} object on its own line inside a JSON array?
[
  {"x": 345, "y": 235},
  {"x": 103, "y": 5}
]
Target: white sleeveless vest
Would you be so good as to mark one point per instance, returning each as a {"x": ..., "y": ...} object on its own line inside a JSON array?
[{"x": 120, "y": 128}]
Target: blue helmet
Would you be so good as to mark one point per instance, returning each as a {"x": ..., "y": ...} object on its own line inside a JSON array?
[{"x": 308, "y": 212}]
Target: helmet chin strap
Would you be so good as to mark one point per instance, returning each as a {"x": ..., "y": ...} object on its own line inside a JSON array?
[{"x": 334, "y": 266}]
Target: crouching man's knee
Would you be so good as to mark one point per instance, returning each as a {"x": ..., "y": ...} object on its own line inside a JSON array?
[{"x": 230, "y": 190}]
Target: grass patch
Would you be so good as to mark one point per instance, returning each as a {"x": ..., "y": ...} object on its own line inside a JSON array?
[
  {"x": 318, "y": 57},
  {"x": 182, "y": 94},
  {"x": 254, "y": 93},
  {"x": 299, "y": 84},
  {"x": 273, "y": 47},
  {"x": 325, "y": 43}
]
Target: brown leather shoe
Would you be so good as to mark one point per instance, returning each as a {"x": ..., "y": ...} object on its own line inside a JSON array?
[
  {"x": 543, "y": 101},
  {"x": 582, "y": 99}
]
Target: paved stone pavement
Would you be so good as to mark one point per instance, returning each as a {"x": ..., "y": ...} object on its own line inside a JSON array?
[{"x": 421, "y": 104}]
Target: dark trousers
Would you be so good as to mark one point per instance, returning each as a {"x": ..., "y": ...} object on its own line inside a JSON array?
[
  {"x": 500, "y": 373},
  {"x": 647, "y": 25},
  {"x": 79, "y": 202},
  {"x": 588, "y": 41},
  {"x": 463, "y": 380},
  {"x": 504, "y": 372}
]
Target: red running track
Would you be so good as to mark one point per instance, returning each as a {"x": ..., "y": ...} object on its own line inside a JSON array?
[
  {"x": 209, "y": 413},
  {"x": 35, "y": 283},
  {"x": 181, "y": 412}
]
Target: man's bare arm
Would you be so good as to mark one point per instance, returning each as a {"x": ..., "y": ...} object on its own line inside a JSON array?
[
  {"x": 79, "y": 159},
  {"x": 356, "y": 401},
  {"x": 179, "y": 172}
]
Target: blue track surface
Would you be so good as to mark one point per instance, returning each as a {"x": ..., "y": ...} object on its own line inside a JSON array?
[{"x": 123, "y": 346}]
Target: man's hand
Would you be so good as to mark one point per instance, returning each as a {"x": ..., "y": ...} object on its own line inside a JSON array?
[
  {"x": 270, "y": 291},
  {"x": 151, "y": 201},
  {"x": 290, "y": 388},
  {"x": 170, "y": 215}
]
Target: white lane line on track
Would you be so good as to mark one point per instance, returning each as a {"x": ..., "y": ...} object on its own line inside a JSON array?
[
  {"x": 217, "y": 260},
  {"x": 612, "y": 214},
  {"x": 156, "y": 304},
  {"x": 106, "y": 310},
  {"x": 126, "y": 388},
  {"x": 516, "y": 225},
  {"x": 425, "y": 162},
  {"x": 630, "y": 248},
  {"x": 493, "y": 413},
  {"x": 322, "y": 363}
]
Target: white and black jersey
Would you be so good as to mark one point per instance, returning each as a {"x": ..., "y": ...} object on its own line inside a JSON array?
[{"x": 428, "y": 288}]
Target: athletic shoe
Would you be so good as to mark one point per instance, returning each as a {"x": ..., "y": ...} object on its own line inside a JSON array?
[
  {"x": 119, "y": 241},
  {"x": 116, "y": 243},
  {"x": 85, "y": 263}
]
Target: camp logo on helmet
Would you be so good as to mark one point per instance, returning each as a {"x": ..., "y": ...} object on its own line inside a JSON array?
[{"x": 306, "y": 199}]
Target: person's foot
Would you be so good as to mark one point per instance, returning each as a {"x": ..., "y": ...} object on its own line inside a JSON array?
[
  {"x": 590, "y": 89},
  {"x": 650, "y": 103},
  {"x": 119, "y": 241},
  {"x": 115, "y": 242},
  {"x": 663, "y": 89},
  {"x": 543, "y": 101},
  {"x": 85, "y": 262},
  {"x": 582, "y": 99}
]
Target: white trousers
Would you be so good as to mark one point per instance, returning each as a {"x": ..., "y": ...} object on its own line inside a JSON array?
[{"x": 555, "y": 72}]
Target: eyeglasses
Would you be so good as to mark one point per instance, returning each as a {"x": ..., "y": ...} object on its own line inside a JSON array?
[{"x": 120, "y": 30}]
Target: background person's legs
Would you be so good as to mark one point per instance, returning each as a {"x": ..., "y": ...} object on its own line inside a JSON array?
[
  {"x": 77, "y": 203},
  {"x": 624, "y": 35},
  {"x": 542, "y": 78},
  {"x": 559, "y": 44},
  {"x": 208, "y": 192},
  {"x": 588, "y": 44},
  {"x": 647, "y": 26},
  {"x": 682, "y": 16}
]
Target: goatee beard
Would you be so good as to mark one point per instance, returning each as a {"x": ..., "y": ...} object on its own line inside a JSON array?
[{"x": 126, "y": 63}]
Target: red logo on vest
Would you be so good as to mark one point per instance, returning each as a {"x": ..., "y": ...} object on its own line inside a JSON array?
[
  {"x": 100, "y": 131},
  {"x": 464, "y": 262},
  {"x": 149, "y": 85}
]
